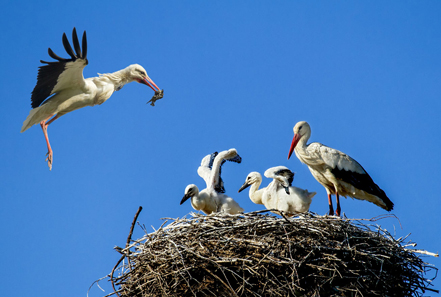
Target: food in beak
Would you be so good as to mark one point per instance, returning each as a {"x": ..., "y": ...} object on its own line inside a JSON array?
[{"x": 158, "y": 95}]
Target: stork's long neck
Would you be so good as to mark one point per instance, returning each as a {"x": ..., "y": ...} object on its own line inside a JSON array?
[
  {"x": 255, "y": 194},
  {"x": 196, "y": 201},
  {"x": 118, "y": 78},
  {"x": 303, "y": 153}
]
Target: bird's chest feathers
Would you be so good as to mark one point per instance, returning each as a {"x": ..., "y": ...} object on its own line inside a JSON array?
[{"x": 103, "y": 93}]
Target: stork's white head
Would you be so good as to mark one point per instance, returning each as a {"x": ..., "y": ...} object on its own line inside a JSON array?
[
  {"x": 190, "y": 191},
  {"x": 253, "y": 177},
  {"x": 138, "y": 73},
  {"x": 301, "y": 129}
]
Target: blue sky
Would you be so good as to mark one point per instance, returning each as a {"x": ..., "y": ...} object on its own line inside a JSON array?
[{"x": 366, "y": 75}]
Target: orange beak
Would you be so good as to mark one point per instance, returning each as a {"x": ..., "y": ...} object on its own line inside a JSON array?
[{"x": 147, "y": 81}]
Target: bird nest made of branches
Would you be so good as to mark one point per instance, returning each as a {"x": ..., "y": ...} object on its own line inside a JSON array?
[{"x": 259, "y": 254}]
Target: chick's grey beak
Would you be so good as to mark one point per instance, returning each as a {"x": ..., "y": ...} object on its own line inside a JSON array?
[
  {"x": 185, "y": 198},
  {"x": 244, "y": 186}
]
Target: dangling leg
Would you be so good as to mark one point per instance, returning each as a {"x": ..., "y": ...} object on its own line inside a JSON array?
[
  {"x": 331, "y": 208},
  {"x": 338, "y": 209},
  {"x": 49, "y": 154}
]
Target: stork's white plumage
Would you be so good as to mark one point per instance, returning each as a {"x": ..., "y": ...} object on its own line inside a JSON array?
[
  {"x": 336, "y": 171},
  {"x": 279, "y": 194},
  {"x": 212, "y": 198},
  {"x": 61, "y": 87}
]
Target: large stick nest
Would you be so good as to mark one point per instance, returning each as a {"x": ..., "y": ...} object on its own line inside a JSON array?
[{"x": 256, "y": 254}]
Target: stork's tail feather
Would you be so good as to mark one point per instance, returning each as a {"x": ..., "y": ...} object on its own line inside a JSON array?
[
  {"x": 29, "y": 120},
  {"x": 36, "y": 115}
]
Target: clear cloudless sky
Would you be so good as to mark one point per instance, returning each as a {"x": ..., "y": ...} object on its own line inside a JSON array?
[{"x": 366, "y": 75}]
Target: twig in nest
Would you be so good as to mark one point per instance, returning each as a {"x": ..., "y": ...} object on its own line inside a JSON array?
[{"x": 127, "y": 244}]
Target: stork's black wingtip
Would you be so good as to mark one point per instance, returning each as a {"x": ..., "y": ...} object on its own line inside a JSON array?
[{"x": 84, "y": 44}]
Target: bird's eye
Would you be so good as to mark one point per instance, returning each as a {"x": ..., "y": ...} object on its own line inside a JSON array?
[
  {"x": 141, "y": 72},
  {"x": 300, "y": 127}
]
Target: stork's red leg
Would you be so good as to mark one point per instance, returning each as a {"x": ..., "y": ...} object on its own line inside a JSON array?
[
  {"x": 331, "y": 208},
  {"x": 49, "y": 154},
  {"x": 338, "y": 209}
]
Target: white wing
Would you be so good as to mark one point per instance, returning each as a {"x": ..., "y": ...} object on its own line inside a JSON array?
[
  {"x": 334, "y": 158},
  {"x": 204, "y": 170}
]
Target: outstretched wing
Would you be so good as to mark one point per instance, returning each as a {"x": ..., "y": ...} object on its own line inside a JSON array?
[
  {"x": 65, "y": 73},
  {"x": 204, "y": 169},
  {"x": 216, "y": 165}
]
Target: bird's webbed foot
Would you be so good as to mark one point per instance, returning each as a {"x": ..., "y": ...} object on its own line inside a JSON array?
[{"x": 49, "y": 159}]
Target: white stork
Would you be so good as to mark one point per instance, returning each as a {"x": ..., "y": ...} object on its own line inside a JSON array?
[
  {"x": 279, "y": 194},
  {"x": 337, "y": 172},
  {"x": 212, "y": 198},
  {"x": 61, "y": 87}
]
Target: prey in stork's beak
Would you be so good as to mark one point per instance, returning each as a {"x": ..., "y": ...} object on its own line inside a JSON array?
[
  {"x": 158, "y": 93},
  {"x": 294, "y": 142}
]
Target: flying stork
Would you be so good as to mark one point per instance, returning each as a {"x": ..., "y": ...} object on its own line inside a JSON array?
[
  {"x": 61, "y": 87},
  {"x": 212, "y": 198},
  {"x": 279, "y": 194},
  {"x": 337, "y": 172}
]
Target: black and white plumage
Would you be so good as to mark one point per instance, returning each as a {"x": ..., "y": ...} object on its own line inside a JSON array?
[
  {"x": 279, "y": 194},
  {"x": 337, "y": 172},
  {"x": 61, "y": 87},
  {"x": 204, "y": 170},
  {"x": 212, "y": 198},
  {"x": 282, "y": 175}
]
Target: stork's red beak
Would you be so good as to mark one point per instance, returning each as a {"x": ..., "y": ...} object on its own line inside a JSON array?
[
  {"x": 294, "y": 142},
  {"x": 147, "y": 81}
]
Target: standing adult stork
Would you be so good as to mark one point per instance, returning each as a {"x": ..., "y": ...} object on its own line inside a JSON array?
[
  {"x": 212, "y": 198},
  {"x": 337, "y": 172},
  {"x": 61, "y": 87}
]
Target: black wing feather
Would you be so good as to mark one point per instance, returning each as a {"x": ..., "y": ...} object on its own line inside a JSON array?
[
  {"x": 47, "y": 77},
  {"x": 54, "y": 56},
  {"x": 67, "y": 47},
  {"x": 212, "y": 157},
  {"x": 46, "y": 81},
  {"x": 363, "y": 182},
  {"x": 76, "y": 43},
  {"x": 84, "y": 43}
]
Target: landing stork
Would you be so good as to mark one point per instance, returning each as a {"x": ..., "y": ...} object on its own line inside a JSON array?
[
  {"x": 212, "y": 198},
  {"x": 337, "y": 172},
  {"x": 61, "y": 87}
]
